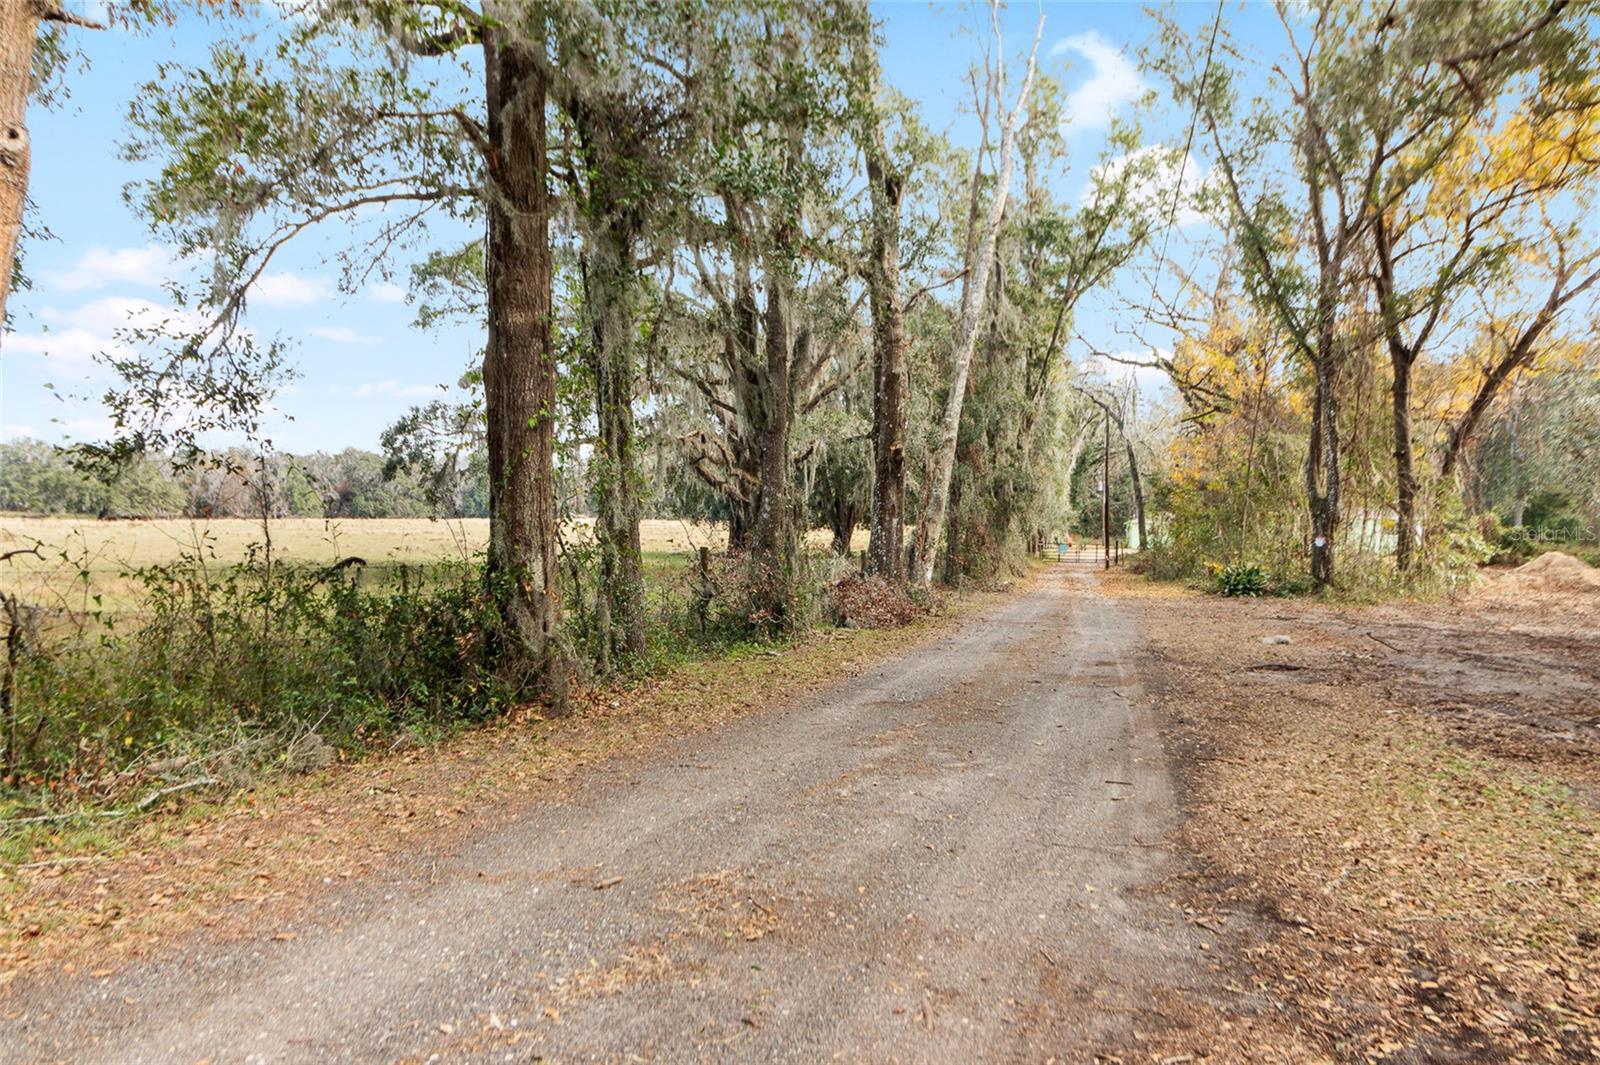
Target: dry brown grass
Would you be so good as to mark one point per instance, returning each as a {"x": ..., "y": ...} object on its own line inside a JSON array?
[
  {"x": 82, "y": 557},
  {"x": 120, "y": 544}
]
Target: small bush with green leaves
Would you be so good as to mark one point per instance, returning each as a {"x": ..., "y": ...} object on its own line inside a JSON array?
[
  {"x": 224, "y": 673},
  {"x": 220, "y": 672},
  {"x": 1242, "y": 580}
]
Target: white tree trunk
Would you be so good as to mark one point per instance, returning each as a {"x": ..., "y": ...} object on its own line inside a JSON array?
[{"x": 974, "y": 297}]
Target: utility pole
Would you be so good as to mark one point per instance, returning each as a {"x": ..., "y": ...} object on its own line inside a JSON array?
[{"x": 1105, "y": 494}]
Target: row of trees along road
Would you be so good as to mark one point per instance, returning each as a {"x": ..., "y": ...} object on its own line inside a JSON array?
[
  {"x": 1414, "y": 180},
  {"x": 710, "y": 230},
  {"x": 707, "y": 223}
]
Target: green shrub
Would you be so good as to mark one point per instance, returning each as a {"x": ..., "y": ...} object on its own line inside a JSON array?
[
  {"x": 1295, "y": 584},
  {"x": 223, "y": 672},
  {"x": 1242, "y": 580}
]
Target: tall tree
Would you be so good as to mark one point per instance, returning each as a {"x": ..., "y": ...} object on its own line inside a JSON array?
[
  {"x": 762, "y": 245},
  {"x": 630, "y": 125},
  {"x": 519, "y": 364},
  {"x": 1303, "y": 274},
  {"x": 1051, "y": 256},
  {"x": 1515, "y": 340},
  {"x": 977, "y": 264},
  {"x": 338, "y": 123},
  {"x": 1451, "y": 208},
  {"x": 1350, "y": 153},
  {"x": 886, "y": 187}
]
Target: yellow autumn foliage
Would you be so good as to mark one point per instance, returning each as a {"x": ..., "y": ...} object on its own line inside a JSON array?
[{"x": 1527, "y": 156}]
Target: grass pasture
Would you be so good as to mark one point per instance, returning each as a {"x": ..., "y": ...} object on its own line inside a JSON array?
[
  {"x": 136, "y": 646},
  {"x": 83, "y": 558}
]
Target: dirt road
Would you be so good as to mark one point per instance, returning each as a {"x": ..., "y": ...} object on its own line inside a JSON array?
[{"x": 949, "y": 858}]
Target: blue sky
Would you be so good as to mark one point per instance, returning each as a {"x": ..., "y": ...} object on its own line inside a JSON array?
[{"x": 360, "y": 362}]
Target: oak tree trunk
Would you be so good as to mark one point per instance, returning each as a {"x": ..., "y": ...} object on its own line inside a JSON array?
[
  {"x": 843, "y": 515},
  {"x": 952, "y": 537},
  {"x": 610, "y": 286},
  {"x": 743, "y": 361},
  {"x": 739, "y": 525},
  {"x": 1404, "y": 468},
  {"x": 1322, "y": 473},
  {"x": 772, "y": 533},
  {"x": 1322, "y": 478},
  {"x": 519, "y": 372},
  {"x": 886, "y": 548}
]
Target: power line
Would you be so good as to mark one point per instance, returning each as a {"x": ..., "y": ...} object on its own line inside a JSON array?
[{"x": 1188, "y": 143}]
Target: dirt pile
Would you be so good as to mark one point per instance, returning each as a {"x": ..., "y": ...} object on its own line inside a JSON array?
[
  {"x": 1553, "y": 580},
  {"x": 1557, "y": 571}
]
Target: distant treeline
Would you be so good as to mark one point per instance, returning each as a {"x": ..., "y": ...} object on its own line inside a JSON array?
[{"x": 39, "y": 478}]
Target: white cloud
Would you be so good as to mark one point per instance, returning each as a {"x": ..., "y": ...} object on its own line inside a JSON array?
[
  {"x": 76, "y": 336},
  {"x": 1160, "y": 175},
  {"x": 1151, "y": 381},
  {"x": 286, "y": 289},
  {"x": 19, "y": 432},
  {"x": 65, "y": 345},
  {"x": 385, "y": 292},
  {"x": 1114, "y": 83},
  {"x": 98, "y": 427},
  {"x": 395, "y": 388},
  {"x": 99, "y": 267},
  {"x": 110, "y": 313},
  {"x": 341, "y": 334}
]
